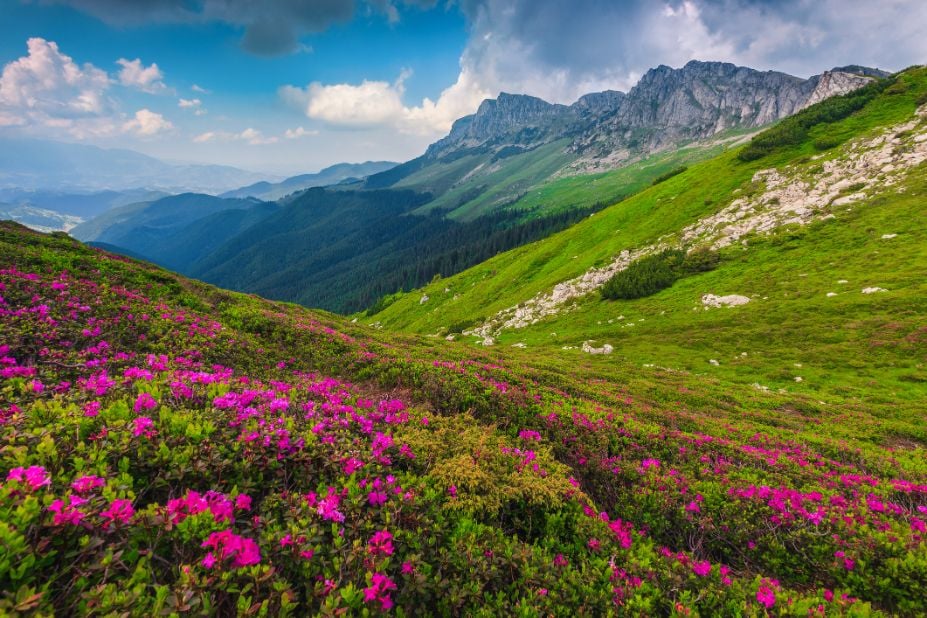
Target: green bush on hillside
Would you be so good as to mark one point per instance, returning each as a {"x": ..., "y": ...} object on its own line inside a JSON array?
[
  {"x": 653, "y": 273},
  {"x": 667, "y": 175}
]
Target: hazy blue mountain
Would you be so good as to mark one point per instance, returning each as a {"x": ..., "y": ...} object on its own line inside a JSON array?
[
  {"x": 175, "y": 230},
  {"x": 332, "y": 175},
  {"x": 62, "y": 166}
]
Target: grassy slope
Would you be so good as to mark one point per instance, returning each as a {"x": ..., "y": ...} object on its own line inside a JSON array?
[
  {"x": 480, "y": 397},
  {"x": 848, "y": 344},
  {"x": 525, "y": 181}
]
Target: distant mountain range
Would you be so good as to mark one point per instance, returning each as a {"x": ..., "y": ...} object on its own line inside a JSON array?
[
  {"x": 335, "y": 174},
  {"x": 515, "y": 171},
  {"x": 35, "y": 164}
]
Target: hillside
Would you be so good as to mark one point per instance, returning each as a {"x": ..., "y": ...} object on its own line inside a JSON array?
[
  {"x": 162, "y": 432},
  {"x": 177, "y": 230},
  {"x": 802, "y": 227}
]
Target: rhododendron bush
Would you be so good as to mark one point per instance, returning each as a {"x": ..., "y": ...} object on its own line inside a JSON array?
[{"x": 168, "y": 447}]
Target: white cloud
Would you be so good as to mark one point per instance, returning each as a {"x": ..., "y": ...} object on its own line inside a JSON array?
[
  {"x": 251, "y": 136},
  {"x": 147, "y": 123},
  {"x": 299, "y": 132},
  {"x": 200, "y": 89},
  {"x": 192, "y": 104},
  {"x": 136, "y": 75},
  {"x": 46, "y": 89},
  {"x": 380, "y": 103}
]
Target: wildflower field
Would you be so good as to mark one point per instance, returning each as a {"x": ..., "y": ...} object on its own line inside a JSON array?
[{"x": 168, "y": 447}]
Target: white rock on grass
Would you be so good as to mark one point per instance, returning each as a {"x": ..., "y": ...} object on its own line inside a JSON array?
[
  {"x": 888, "y": 236},
  {"x": 713, "y": 362},
  {"x": 589, "y": 349},
  {"x": 731, "y": 300},
  {"x": 831, "y": 294},
  {"x": 519, "y": 345},
  {"x": 873, "y": 290},
  {"x": 424, "y": 299}
]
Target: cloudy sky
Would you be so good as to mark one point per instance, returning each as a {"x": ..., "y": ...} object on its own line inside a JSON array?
[{"x": 289, "y": 86}]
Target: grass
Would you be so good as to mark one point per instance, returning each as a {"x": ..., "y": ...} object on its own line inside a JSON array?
[{"x": 869, "y": 347}]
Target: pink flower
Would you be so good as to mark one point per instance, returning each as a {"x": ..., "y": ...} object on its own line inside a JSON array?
[
  {"x": 142, "y": 426},
  {"x": 243, "y": 502},
  {"x": 92, "y": 408},
  {"x": 702, "y": 569},
  {"x": 452, "y": 490},
  {"x": 144, "y": 402},
  {"x": 693, "y": 507},
  {"x": 352, "y": 465},
  {"x": 67, "y": 513},
  {"x": 560, "y": 561},
  {"x": 119, "y": 510},
  {"x": 87, "y": 483},
  {"x": 649, "y": 463},
  {"x": 407, "y": 568},
  {"x": 381, "y": 543},
  {"x": 33, "y": 476},
  {"x": 209, "y": 560},
  {"x": 376, "y": 498},
  {"x": 765, "y": 595},
  {"x": 378, "y": 590},
  {"x": 828, "y": 595},
  {"x": 241, "y": 551},
  {"x": 594, "y": 544}
]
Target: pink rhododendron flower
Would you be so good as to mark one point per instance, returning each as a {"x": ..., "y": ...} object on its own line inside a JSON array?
[
  {"x": 381, "y": 543},
  {"x": 229, "y": 546},
  {"x": 87, "y": 483},
  {"x": 650, "y": 463},
  {"x": 243, "y": 502},
  {"x": 142, "y": 426},
  {"x": 92, "y": 408},
  {"x": 702, "y": 569},
  {"x": 765, "y": 594},
  {"x": 119, "y": 510},
  {"x": 67, "y": 513},
  {"x": 33, "y": 476},
  {"x": 144, "y": 402},
  {"x": 378, "y": 590}
]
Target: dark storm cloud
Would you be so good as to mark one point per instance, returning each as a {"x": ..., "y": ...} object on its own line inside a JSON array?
[{"x": 271, "y": 27}]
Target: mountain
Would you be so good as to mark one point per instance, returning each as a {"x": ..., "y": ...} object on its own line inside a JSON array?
[
  {"x": 174, "y": 231},
  {"x": 351, "y": 246},
  {"x": 516, "y": 144},
  {"x": 811, "y": 239},
  {"x": 34, "y": 164},
  {"x": 742, "y": 433},
  {"x": 331, "y": 175}
]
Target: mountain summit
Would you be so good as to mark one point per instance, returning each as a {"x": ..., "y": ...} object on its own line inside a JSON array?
[{"x": 666, "y": 107}]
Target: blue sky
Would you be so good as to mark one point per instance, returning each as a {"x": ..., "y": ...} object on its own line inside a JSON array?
[{"x": 288, "y": 86}]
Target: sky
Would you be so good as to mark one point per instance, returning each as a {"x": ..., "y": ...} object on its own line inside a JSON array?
[{"x": 290, "y": 86}]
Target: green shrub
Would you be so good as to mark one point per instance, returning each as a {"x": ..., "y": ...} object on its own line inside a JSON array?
[
  {"x": 653, "y": 273},
  {"x": 645, "y": 276},
  {"x": 667, "y": 175}
]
